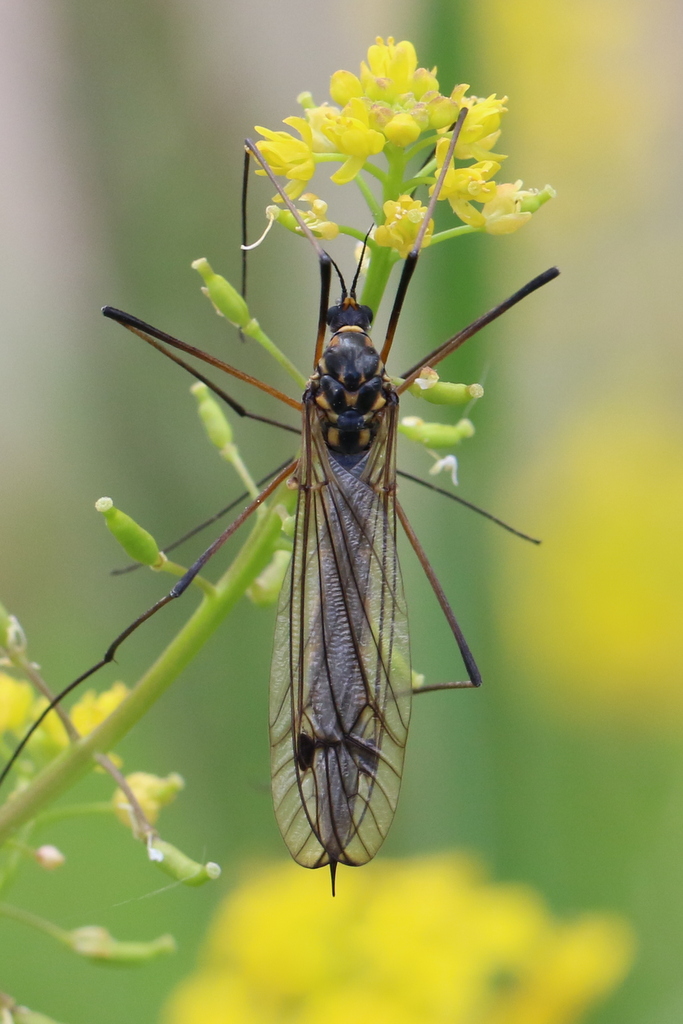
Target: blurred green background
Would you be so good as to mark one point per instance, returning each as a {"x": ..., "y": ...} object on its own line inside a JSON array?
[{"x": 121, "y": 134}]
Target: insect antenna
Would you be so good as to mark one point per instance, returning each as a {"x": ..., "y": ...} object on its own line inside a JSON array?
[
  {"x": 344, "y": 293},
  {"x": 245, "y": 239},
  {"x": 324, "y": 260},
  {"x": 414, "y": 254},
  {"x": 360, "y": 263}
]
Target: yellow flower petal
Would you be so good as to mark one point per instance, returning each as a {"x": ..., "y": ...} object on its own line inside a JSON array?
[
  {"x": 404, "y": 942},
  {"x": 16, "y": 703}
]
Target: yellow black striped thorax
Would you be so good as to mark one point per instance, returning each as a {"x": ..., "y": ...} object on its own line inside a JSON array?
[{"x": 350, "y": 389}]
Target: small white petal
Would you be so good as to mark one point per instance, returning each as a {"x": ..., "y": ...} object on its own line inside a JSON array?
[{"x": 448, "y": 464}]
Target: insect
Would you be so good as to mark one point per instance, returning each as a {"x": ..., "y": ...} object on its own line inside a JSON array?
[{"x": 341, "y": 677}]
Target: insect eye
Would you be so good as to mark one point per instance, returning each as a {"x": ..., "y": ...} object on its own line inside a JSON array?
[{"x": 305, "y": 751}]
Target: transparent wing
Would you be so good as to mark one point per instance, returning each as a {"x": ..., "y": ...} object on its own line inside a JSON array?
[{"x": 340, "y": 678}]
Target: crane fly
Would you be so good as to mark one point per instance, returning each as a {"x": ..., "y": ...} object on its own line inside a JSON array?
[{"x": 341, "y": 683}]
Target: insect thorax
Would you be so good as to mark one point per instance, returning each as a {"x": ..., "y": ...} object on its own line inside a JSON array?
[{"x": 350, "y": 388}]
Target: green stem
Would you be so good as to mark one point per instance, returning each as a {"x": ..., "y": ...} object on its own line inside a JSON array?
[
  {"x": 39, "y": 923},
  {"x": 443, "y": 236},
  {"x": 76, "y": 760},
  {"x": 396, "y": 159},
  {"x": 375, "y": 171},
  {"x": 360, "y": 235},
  {"x": 413, "y": 183},
  {"x": 13, "y": 858},
  {"x": 431, "y": 140},
  {"x": 377, "y": 278},
  {"x": 253, "y": 329},
  {"x": 73, "y": 811},
  {"x": 375, "y": 208},
  {"x": 232, "y": 456}
]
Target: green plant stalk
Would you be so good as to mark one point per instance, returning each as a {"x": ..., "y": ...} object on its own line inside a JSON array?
[
  {"x": 377, "y": 278},
  {"x": 33, "y": 921},
  {"x": 254, "y": 330},
  {"x": 76, "y": 761}
]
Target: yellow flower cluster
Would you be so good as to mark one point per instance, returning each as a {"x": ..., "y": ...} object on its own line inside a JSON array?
[
  {"x": 19, "y": 708},
  {"x": 392, "y": 101},
  {"x": 387, "y": 108},
  {"x": 501, "y": 205},
  {"x": 404, "y": 942}
]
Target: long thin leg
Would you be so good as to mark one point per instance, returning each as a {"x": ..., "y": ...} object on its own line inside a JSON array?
[
  {"x": 323, "y": 258},
  {"x": 147, "y": 333},
  {"x": 236, "y": 406},
  {"x": 264, "y": 480},
  {"x": 179, "y": 588},
  {"x": 413, "y": 255},
  {"x": 245, "y": 240},
  {"x": 434, "y": 357},
  {"x": 470, "y": 664},
  {"x": 468, "y": 504}
]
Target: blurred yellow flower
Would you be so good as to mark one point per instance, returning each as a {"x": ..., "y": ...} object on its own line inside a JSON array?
[
  {"x": 86, "y": 715},
  {"x": 93, "y": 708},
  {"x": 151, "y": 792},
  {"x": 404, "y": 942},
  {"x": 403, "y": 220},
  {"x": 594, "y": 622},
  {"x": 16, "y": 702}
]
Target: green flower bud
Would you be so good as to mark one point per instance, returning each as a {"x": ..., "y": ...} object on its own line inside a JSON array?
[
  {"x": 227, "y": 300},
  {"x": 288, "y": 526},
  {"x": 266, "y": 588},
  {"x": 532, "y": 202},
  {"x": 305, "y": 100},
  {"x": 435, "y": 435},
  {"x": 135, "y": 541},
  {"x": 444, "y": 392},
  {"x": 96, "y": 943},
  {"x": 212, "y": 416},
  {"x": 179, "y": 866},
  {"x": 447, "y": 393}
]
